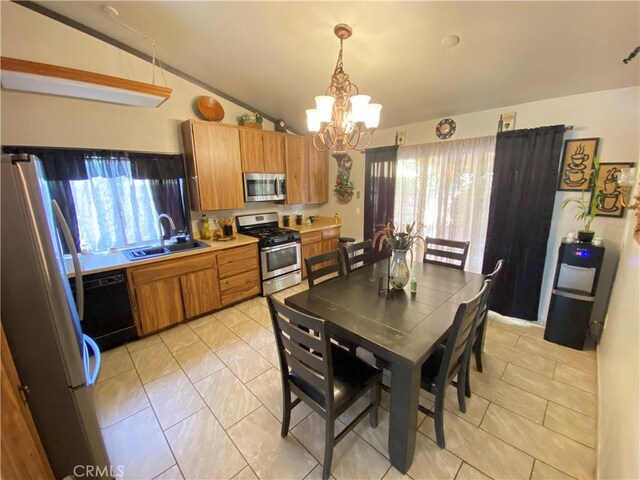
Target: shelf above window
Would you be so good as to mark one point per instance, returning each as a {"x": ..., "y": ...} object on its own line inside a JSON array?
[{"x": 37, "y": 77}]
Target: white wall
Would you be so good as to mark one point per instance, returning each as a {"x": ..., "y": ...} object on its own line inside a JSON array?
[
  {"x": 611, "y": 115},
  {"x": 619, "y": 370},
  {"x": 45, "y": 120}
]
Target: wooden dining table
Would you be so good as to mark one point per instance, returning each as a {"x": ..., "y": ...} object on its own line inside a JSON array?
[{"x": 403, "y": 329}]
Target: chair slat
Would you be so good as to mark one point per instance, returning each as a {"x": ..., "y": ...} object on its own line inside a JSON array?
[
  {"x": 306, "y": 373},
  {"x": 445, "y": 242},
  {"x": 351, "y": 256},
  {"x": 305, "y": 356},
  {"x": 300, "y": 336},
  {"x": 433, "y": 250},
  {"x": 329, "y": 263}
]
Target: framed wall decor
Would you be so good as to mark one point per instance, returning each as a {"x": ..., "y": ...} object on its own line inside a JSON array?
[
  {"x": 610, "y": 193},
  {"x": 577, "y": 162},
  {"x": 507, "y": 122}
]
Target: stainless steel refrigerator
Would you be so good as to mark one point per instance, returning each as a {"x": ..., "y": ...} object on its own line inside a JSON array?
[{"x": 56, "y": 362}]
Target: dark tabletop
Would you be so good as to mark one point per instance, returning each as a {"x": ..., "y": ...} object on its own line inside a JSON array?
[{"x": 403, "y": 327}]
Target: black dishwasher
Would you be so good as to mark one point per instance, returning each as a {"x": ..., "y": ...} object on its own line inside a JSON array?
[{"x": 107, "y": 309}]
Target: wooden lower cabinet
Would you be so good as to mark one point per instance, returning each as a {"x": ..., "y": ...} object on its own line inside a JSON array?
[
  {"x": 22, "y": 453},
  {"x": 239, "y": 273},
  {"x": 170, "y": 291},
  {"x": 200, "y": 291},
  {"x": 317, "y": 242},
  {"x": 159, "y": 304}
]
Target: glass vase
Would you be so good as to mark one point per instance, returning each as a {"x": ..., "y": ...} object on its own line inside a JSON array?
[{"x": 399, "y": 272}]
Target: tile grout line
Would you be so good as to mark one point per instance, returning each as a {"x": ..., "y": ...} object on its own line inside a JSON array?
[{"x": 528, "y": 454}]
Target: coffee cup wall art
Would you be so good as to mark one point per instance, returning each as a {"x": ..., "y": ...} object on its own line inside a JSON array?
[
  {"x": 610, "y": 202},
  {"x": 577, "y": 162}
]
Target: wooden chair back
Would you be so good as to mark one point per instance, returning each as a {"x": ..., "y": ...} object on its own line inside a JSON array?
[
  {"x": 460, "y": 339},
  {"x": 304, "y": 350},
  {"x": 448, "y": 253},
  {"x": 361, "y": 252},
  {"x": 323, "y": 265},
  {"x": 493, "y": 276}
]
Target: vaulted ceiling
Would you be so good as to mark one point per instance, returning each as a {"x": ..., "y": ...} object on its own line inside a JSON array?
[{"x": 276, "y": 56}]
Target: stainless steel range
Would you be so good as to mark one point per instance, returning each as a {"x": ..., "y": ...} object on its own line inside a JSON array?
[{"x": 280, "y": 260}]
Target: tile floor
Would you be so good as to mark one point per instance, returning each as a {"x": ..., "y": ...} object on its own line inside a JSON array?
[{"x": 203, "y": 401}]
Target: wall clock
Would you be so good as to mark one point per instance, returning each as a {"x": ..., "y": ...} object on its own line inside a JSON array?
[{"x": 446, "y": 128}]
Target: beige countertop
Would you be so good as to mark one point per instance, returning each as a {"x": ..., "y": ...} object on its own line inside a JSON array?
[
  {"x": 320, "y": 224},
  {"x": 103, "y": 262}
]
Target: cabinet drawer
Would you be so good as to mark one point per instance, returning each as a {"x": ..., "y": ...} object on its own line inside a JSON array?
[
  {"x": 172, "y": 268},
  {"x": 241, "y": 286},
  {"x": 237, "y": 260},
  {"x": 310, "y": 237},
  {"x": 330, "y": 233}
]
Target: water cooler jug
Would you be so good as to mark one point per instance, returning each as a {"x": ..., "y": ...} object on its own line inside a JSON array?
[{"x": 581, "y": 291}]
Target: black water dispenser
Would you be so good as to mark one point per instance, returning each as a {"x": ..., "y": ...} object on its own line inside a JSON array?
[{"x": 579, "y": 284}]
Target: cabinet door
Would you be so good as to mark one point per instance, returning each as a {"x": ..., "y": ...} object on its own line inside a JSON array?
[
  {"x": 251, "y": 150},
  {"x": 219, "y": 170},
  {"x": 22, "y": 453},
  {"x": 297, "y": 166},
  {"x": 273, "y": 144},
  {"x": 159, "y": 304},
  {"x": 200, "y": 291},
  {"x": 307, "y": 251},
  {"x": 318, "y": 175}
]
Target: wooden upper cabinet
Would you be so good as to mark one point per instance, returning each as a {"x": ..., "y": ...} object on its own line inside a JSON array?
[
  {"x": 318, "y": 175},
  {"x": 297, "y": 168},
  {"x": 213, "y": 165},
  {"x": 252, "y": 150},
  {"x": 262, "y": 151},
  {"x": 273, "y": 147}
]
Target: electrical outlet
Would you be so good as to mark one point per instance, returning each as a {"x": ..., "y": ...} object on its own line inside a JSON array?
[
  {"x": 357, "y": 194},
  {"x": 401, "y": 137},
  {"x": 357, "y": 210}
]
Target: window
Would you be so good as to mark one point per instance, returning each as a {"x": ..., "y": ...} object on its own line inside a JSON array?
[
  {"x": 446, "y": 186},
  {"x": 113, "y": 199}
]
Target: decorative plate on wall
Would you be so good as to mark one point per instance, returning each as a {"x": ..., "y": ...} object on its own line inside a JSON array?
[{"x": 446, "y": 128}]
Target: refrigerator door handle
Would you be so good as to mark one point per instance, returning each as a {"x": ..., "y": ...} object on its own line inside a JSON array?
[
  {"x": 66, "y": 232},
  {"x": 93, "y": 376}
]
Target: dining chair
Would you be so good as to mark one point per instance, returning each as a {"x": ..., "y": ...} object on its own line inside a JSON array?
[
  {"x": 448, "y": 253},
  {"x": 481, "y": 330},
  {"x": 326, "y": 377},
  {"x": 323, "y": 265},
  {"x": 355, "y": 253},
  {"x": 451, "y": 360}
]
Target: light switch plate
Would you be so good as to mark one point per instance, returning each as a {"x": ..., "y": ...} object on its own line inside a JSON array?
[{"x": 401, "y": 137}]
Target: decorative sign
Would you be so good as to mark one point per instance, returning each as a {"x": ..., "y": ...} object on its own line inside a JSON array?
[
  {"x": 610, "y": 204},
  {"x": 577, "y": 162},
  {"x": 507, "y": 122}
]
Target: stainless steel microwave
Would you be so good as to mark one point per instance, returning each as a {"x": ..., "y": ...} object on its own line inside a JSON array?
[{"x": 264, "y": 187}]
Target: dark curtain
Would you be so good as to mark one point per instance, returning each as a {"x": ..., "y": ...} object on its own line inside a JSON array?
[
  {"x": 379, "y": 191},
  {"x": 525, "y": 175}
]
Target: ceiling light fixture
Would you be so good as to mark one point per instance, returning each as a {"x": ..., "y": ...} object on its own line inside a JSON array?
[{"x": 343, "y": 119}]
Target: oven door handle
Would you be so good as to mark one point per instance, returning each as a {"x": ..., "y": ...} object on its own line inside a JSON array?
[{"x": 281, "y": 247}]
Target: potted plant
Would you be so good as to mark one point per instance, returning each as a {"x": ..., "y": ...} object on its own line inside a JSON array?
[
  {"x": 399, "y": 241},
  {"x": 587, "y": 207}
]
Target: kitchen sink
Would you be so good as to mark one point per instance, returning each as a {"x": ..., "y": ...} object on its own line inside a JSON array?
[{"x": 159, "y": 250}]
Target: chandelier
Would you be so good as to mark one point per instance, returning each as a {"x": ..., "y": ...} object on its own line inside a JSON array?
[{"x": 343, "y": 119}]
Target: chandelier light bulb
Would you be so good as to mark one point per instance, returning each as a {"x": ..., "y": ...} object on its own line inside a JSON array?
[
  {"x": 359, "y": 107},
  {"x": 313, "y": 120},
  {"x": 373, "y": 115},
  {"x": 324, "y": 106}
]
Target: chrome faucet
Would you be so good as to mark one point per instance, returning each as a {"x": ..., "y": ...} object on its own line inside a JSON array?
[{"x": 172, "y": 226}]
